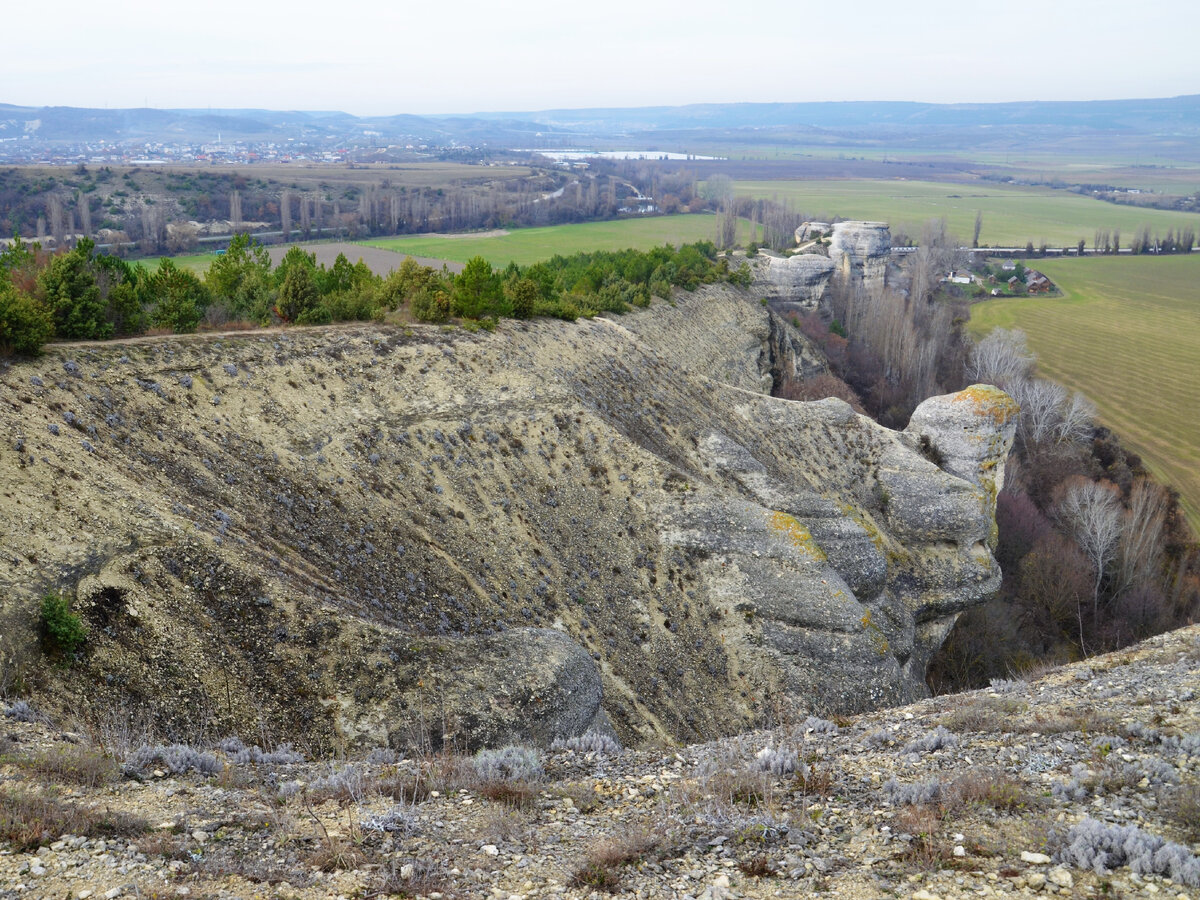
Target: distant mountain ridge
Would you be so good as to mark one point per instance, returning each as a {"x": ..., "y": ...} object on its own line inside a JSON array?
[{"x": 1173, "y": 117}]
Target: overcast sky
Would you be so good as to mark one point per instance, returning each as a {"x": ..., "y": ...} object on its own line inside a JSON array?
[{"x": 373, "y": 57}]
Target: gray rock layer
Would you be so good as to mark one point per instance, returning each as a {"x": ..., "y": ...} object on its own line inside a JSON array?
[
  {"x": 367, "y": 534},
  {"x": 860, "y": 251}
]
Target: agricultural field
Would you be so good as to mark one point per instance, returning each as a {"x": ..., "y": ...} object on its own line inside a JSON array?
[
  {"x": 1126, "y": 332},
  {"x": 1012, "y": 215},
  {"x": 525, "y": 246}
]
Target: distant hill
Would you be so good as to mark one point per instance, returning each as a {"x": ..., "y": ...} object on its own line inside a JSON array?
[{"x": 1163, "y": 120}]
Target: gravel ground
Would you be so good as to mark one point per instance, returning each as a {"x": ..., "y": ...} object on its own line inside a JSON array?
[{"x": 983, "y": 794}]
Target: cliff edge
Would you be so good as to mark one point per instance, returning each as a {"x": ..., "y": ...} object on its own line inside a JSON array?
[{"x": 369, "y": 535}]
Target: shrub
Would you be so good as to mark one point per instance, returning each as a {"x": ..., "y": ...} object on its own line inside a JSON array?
[
  {"x": 176, "y": 758},
  {"x": 815, "y": 725},
  {"x": 511, "y": 763},
  {"x": 25, "y": 322},
  {"x": 935, "y": 740},
  {"x": 21, "y": 711},
  {"x": 778, "y": 761},
  {"x": 920, "y": 793},
  {"x": 62, "y": 630},
  {"x": 588, "y": 742},
  {"x": 1100, "y": 847},
  {"x": 241, "y": 755},
  {"x": 431, "y": 305},
  {"x": 350, "y": 783}
]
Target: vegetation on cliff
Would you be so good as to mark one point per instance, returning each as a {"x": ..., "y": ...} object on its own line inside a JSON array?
[{"x": 80, "y": 294}]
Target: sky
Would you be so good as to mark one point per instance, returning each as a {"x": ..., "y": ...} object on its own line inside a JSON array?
[{"x": 383, "y": 57}]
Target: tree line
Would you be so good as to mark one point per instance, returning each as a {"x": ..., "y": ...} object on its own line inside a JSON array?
[{"x": 80, "y": 294}]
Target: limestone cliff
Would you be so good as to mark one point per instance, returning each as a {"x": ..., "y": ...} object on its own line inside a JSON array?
[
  {"x": 367, "y": 534},
  {"x": 857, "y": 253},
  {"x": 860, "y": 251}
]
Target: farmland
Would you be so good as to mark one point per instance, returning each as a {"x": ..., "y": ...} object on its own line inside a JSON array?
[
  {"x": 529, "y": 245},
  {"x": 1126, "y": 332},
  {"x": 1012, "y": 215}
]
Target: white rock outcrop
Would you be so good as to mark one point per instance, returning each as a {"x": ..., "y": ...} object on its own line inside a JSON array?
[{"x": 862, "y": 250}]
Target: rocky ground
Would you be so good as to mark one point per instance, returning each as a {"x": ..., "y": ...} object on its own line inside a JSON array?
[{"x": 1029, "y": 787}]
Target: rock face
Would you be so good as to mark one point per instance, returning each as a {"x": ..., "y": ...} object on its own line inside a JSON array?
[
  {"x": 799, "y": 279},
  {"x": 968, "y": 434},
  {"x": 364, "y": 535},
  {"x": 808, "y": 231},
  {"x": 861, "y": 250}
]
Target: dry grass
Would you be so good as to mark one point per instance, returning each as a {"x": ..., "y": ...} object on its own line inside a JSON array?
[
  {"x": 984, "y": 787},
  {"x": 926, "y": 849},
  {"x": 1182, "y": 806},
  {"x": 29, "y": 819},
  {"x": 819, "y": 782},
  {"x": 515, "y": 794},
  {"x": 405, "y": 787},
  {"x": 601, "y": 869},
  {"x": 757, "y": 866},
  {"x": 1085, "y": 721},
  {"x": 70, "y": 764},
  {"x": 582, "y": 794},
  {"x": 989, "y": 714},
  {"x": 412, "y": 878}
]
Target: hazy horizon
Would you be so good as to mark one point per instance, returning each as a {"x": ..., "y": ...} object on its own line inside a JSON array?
[{"x": 369, "y": 58}]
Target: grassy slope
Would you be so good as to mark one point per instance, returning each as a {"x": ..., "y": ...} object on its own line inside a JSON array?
[
  {"x": 1011, "y": 215},
  {"x": 529, "y": 245},
  {"x": 1126, "y": 334}
]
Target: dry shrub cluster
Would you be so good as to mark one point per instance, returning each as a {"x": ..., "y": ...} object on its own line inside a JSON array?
[
  {"x": 601, "y": 869},
  {"x": 30, "y": 818}
]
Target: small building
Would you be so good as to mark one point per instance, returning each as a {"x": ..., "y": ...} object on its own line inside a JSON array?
[{"x": 1037, "y": 283}]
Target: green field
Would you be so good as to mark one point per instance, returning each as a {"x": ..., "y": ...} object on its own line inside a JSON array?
[
  {"x": 1012, "y": 215},
  {"x": 1127, "y": 334},
  {"x": 196, "y": 262},
  {"x": 529, "y": 245}
]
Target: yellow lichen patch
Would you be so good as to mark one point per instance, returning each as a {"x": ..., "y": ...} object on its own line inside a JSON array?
[
  {"x": 876, "y": 633},
  {"x": 989, "y": 401},
  {"x": 800, "y": 537}
]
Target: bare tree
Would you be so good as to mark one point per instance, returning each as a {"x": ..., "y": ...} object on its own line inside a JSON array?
[
  {"x": 235, "y": 209},
  {"x": 1091, "y": 511},
  {"x": 1140, "y": 552},
  {"x": 1001, "y": 356},
  {"x": 727, "y": 224},
  {"x": 285, "y": 214},
  {"x": 306, "y": 217},
  {"x": 1076, "y": 420},
  {"x": 85, "y": 216},
  {"x": 54, "y": 209},
  {"x": 1041, "y": 405}
]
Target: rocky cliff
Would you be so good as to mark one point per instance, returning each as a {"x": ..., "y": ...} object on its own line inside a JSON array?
[
  {"x": 856, "y": 253},
  {"x": 368, "y": 535},
  {"x": 861, "y": 250}
]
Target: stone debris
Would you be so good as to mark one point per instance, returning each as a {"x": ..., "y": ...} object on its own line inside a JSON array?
[{"x": 701, "y": 821}]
